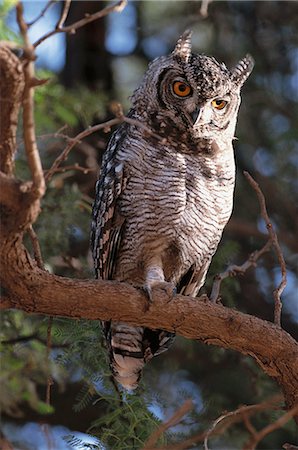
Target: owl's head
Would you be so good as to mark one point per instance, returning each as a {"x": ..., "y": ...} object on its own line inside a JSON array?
[{"x": 193, "y": 95}]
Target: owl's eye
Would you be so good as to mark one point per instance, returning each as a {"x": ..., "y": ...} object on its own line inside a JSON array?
[
  {"x": 181, "y": 89},
  {"x": 219, "y": 104}
]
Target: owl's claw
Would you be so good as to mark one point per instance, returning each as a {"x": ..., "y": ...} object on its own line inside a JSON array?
[{"x": 168, "y": 288}]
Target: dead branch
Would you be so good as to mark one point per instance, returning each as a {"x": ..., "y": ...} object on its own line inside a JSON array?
[
  {"x": 75, "y": 166},
  {"x": 238, "y": 414},
  {"x": 171, "y": 422},
  {"x": 64, "y": 14},
  {"x": 234, "y": 269},
  {"x": 42, "y": 13},
  {"x": 254, "y": 440},
  {"x": 204, "y": 8},
  {"x": 76, "y": 140},
  {"x": 102, "y": 126},
  {"x": 238, "y": 227},
  {"x": 118, "y": 7},
  {"x": 273, "y": 237}
]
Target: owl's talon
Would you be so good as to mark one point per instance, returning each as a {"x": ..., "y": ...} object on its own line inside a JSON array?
[
  {"x": 148, "y": 291},
  {"x": 168, "y": 288}
]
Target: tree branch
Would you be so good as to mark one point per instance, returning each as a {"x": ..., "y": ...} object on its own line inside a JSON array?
[
  {"x": 273, "y": 237},
  {"x": 239, "y": 414},
  {"x": 32, "y": 153},
  {"x": 36, "y": 291},
  {"x": 171, "y": 422},
  {"x": 234, "y": 269},
  {"x": 255, "y": 439},
  {"x": 80, "y": 23},
  {"x": 11, "y": 91},
  {"x": 13, "y": 192}
]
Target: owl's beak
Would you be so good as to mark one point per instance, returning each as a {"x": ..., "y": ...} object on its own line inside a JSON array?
[{"x": 195, "y": 115}]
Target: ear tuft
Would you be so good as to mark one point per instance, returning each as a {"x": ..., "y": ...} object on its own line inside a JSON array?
[
  {"x": 183, "y": 46},
  {"x": 242, "y": 70}
]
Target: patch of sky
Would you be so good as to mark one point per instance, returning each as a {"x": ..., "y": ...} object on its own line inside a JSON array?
[
  {"x": 153, "y": 47},
  {"x": 264, "y": 162},
  {"x": 262, "y": 226},
  {"x": 32, "y": 436},
  {"x": 51, "y": 53},
  {"x": 121, "y": 37},
  {"x": 175, "y": 390}
]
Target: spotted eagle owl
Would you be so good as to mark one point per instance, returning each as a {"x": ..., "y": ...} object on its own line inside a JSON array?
[{"x": 165, "y": 191}]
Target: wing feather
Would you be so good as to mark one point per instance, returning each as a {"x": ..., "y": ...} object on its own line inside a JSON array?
[{"x": 107, "y": 226}]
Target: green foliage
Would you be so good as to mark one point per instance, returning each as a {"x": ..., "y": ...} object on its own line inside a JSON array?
[
  {"x": 63, "y": 209},
  {"x": 23, "y": 363},
  {"x": 127, "y": 424},
  {"x": 57, "y": 106},
  {"x": 6, "y": 34}
]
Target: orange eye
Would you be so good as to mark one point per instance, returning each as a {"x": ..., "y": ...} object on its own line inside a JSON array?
[
  {"x": 181, "y": 89},
  {"x": 218, "y": 104}
]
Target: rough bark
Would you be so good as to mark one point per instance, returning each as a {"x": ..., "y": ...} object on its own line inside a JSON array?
[
  {"x": 36, "y": 291},
  {"x": 33, "y": 290},
  {"x": 11, "y": 90}
]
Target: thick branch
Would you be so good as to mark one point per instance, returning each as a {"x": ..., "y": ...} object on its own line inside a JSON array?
[
  {"x": 36, "y": 291},
  {"x": 13, "y": 192},
  {"x": 11, "y": 90},
  {"x": 32, "y": 152}
]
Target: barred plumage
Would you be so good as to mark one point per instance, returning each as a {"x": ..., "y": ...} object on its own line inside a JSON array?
[{"x": 164, "y": 197}]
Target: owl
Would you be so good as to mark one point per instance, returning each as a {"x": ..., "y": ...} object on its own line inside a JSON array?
[{"x": 165, "y": 192}]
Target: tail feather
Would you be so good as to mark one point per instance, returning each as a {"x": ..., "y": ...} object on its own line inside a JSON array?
[
  {"x": 131, "y": 348},
  {"x": 126, "y": 354}
]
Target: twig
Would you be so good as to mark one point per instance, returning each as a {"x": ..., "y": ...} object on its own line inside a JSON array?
[
  {"x": 72, "y": 142},
  {"x": 233, "y": 269},
  {"x": 238, "y": 414},
  {"x": 80, "y": 23},
  {"x": 42, "y": 13},
  {"x": 102, "y": 126},
  {"x": 204, "y": 8},
  {"x": 75, "y": 166},
  {"x": 49, "y": 348},
  {"x": 64, "y": 14},
  {"x": 273, "y": 236},
  {"x": 249, "y": 426},
  {"x": 174, "y": 420},
  {"x": 254, "y": 440},
  {"x": 28, "y": 109}
]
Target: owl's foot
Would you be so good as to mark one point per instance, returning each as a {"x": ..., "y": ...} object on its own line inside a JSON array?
[
  {"x": 168, "y": 288},
  {"x": 155, "y": 280}
]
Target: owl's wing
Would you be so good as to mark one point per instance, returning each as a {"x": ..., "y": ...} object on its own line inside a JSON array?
[
  {"x": 193, "y": 280},
  {"x": 107, "y": 224}
]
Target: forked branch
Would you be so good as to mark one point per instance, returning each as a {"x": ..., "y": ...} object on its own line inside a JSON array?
[
  {"x": 118, "y": 7},
  {"x": 273, "y": 238}
]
